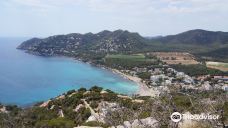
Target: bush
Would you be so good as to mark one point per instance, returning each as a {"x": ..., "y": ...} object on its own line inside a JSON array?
[
  {"x": 93, "y": 96},
  {"x": 225, "y": 112},
  {"x": 56, "y": 123},
  {"x": 126, "y": 103},
  {"x": 109, "y": 91},
  {"x": 95, "y": 124},
  {"x": 96, "y": 89},
  {"x": 38, "y": 113},
  {"x": 182, "y": 102},
  {"x": 144, "y": 75},
  {"x": 144, "y": 115},
  {"x": 93, "y": 104},
  {"x": 197, "y": 69},
  {"x": 82, "y": 90},
  {"x": 70, "y": 92},
  {"x": 13, "y": 109},
  {"x": 110, "y": 97},
  {"x": 82, "y": 115},
  {"x": 78, "y": 95}
]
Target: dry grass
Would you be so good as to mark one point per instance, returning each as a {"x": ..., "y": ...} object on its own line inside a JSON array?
[
  {"x": 176, "y": 57},
  {"x": 217, "y": 65}
]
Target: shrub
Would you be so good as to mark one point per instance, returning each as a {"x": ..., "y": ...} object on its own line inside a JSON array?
[
  {"x": 110, "y": 97},
  {"x": 55, "y": 123},
  {"x": 182, "y": 102},
  {"x": 93, "y": 96},
  {"x": 109, "y": 91},
  {"x": 144, "y": 115},
  {"x": 96, "y": 89},
  {"x": 82, "y": 90},
  {"x": 93, "y": 104},
  {"x": 70, "y": 92},
  {"x": 126, "y": 103},
  {"x": 144, "y": 75},
  {"x": 38, "y": 113},
  {"x": 95, "y": 124},
  {"x": 225, "y": 112},
  {"x": 82, "y": 115}
]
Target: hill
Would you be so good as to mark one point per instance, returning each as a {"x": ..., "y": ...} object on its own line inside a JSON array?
[
  {"x": 97, "y": 107},
  {"x": 102, "y": 42},
  {"x": 89, "y": 45},
  {"x": 207, "y": 44},
  {"x": 196, "y": 37}
]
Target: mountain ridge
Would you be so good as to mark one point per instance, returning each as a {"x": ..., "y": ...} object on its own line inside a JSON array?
[
  {"x": 122, "y": 41},
  {"x": 196, "y": 36}
]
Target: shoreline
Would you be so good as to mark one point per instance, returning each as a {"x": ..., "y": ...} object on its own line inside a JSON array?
[{"x": 143, "y": 90}]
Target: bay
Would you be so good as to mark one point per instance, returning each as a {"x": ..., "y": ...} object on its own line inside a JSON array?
[{"x": 26, "y": 79}]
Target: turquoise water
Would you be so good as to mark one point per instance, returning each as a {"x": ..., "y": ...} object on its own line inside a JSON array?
[{"x": 26, "y": 79}]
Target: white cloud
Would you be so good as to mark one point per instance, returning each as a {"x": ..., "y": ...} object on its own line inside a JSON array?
[
  {"x": 164, "y": 6},
  {"x": 30, "y": 3},
  {"x": 134, "y": 6},
  {"x": 145, "y": 16}
]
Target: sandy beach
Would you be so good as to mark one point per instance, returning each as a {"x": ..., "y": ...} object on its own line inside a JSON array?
[{"x": 144, "y": 90}]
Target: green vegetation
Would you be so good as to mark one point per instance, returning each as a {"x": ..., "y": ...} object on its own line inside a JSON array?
[
  {"x": 96, "y": 89},
  {"x": 144, "y": 75},
  {"x": 182, "y": 102},
  {"x": 95, "y": 124},
  {"x": 82, "y": 116},
  {"x": 129, "y": 61},
  {"x": 225, "y": 118},
  {"x": 217, "y": 65},
  {"x": 94, "y": 104},
  {"x": 216, "y": 55},
  {"x": 125, "y": 50},
  {"x": 110, "y": 96},
  {"x": 94, "y": 47},
  {"x": 126, "y": 108},
  {"x": 82, "y": 90},
  {"x": 138, "y": 57},
  {"x": 144, "y": 114},
  {"x": 196, "y": 70},
  {"x": 54, "y": 123}
]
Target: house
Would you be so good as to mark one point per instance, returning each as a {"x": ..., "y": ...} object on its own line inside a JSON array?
[
  {"x": 157, "y": 71},
  {"x": 157, "y": 78},
  {"x": 141, "y": 70},
  {"x": 133, "y": 73},
  {"x": 180, "y": 75},
  {"x": 225, "y": 88}
]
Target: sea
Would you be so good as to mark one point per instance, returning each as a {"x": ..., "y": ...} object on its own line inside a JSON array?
[{"x": 26, "y": 79}]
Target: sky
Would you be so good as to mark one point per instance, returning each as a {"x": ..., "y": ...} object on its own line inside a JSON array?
[{"x": 42, "y": 18}]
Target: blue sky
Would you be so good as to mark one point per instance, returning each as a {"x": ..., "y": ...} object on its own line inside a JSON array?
[{"x": 43, "y": 18}]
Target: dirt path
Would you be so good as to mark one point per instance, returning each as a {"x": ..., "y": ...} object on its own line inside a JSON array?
[{"x": 93, "y": 113}]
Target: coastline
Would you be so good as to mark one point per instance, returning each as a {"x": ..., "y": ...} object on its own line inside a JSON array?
[{"x": 143, "y": 90}]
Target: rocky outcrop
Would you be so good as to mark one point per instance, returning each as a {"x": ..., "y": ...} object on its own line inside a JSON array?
[{"x": 149, "y": 122}]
